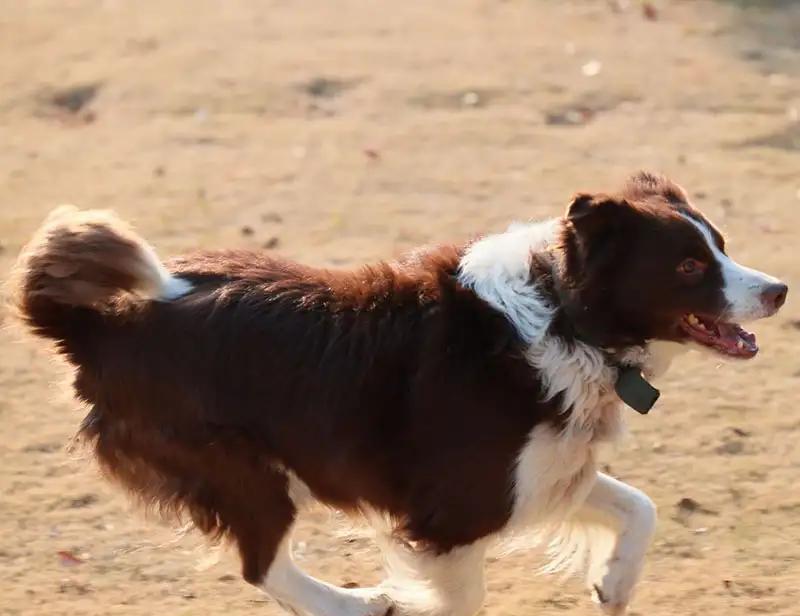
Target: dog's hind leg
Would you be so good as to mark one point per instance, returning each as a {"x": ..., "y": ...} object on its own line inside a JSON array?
[
  {"x": 299, "y": 593},
  {"x": 227, "y": 491},
  {"x": 265, "y": 546}
]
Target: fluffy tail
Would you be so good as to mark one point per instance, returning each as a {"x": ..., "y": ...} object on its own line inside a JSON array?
[{"x": 79, "y": 263}]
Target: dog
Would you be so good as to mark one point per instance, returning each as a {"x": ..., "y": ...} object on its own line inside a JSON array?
[{"x": 454, "y": 397}]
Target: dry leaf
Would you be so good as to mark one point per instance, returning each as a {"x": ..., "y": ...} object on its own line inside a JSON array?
[
  {"x": 68, "y": 559},
  {"x": 649, "y": 11}
]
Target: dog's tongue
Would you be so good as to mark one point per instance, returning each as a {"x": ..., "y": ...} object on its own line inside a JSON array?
[{"x": 737, "y": 339}]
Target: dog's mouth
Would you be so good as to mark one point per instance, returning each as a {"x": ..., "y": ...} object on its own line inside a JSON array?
[{"x": 727, "y": 339}]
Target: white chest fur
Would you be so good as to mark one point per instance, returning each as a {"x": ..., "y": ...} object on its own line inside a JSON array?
[{"x": 555, "y": 470}]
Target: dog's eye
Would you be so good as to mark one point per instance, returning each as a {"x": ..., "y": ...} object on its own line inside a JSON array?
[{"x": 691, "y": 267}]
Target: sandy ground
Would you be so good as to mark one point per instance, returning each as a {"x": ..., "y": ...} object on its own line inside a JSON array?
[{"x": 335, "y": 132}]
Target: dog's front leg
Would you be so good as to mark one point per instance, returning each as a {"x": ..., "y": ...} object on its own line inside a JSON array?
[{"x": 628, "y": 517}]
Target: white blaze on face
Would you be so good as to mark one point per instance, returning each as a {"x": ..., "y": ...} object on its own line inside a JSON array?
[{"x": 744, "y": 288}]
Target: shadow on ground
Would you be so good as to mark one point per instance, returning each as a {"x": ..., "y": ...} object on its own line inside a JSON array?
[{"x": 766, "y": 32}]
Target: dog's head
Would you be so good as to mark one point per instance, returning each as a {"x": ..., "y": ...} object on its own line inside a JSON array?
[{"x": 645, "y": 265}]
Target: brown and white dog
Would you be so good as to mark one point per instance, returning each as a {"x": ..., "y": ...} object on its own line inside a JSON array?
[{"x": 454, "y": 397}]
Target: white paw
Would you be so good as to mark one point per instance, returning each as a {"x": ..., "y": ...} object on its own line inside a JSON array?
[
  {"x": 371, "y": 602},
  {"x": 382, "y": 605},
  {"x": 613, "y": 588}
]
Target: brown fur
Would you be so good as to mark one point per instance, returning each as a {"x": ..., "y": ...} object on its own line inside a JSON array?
[{"x": 351, "y": 380}]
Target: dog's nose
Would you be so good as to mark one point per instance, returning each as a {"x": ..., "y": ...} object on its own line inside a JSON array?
[{"x": 774, "y": 296}]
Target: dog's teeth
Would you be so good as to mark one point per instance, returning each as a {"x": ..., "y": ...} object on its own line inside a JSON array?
[
  {"x": 693, "y": 320},
  {"x": 740, "y": 343}
]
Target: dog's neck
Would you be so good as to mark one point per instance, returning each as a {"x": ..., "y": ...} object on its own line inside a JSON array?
[{"x": 631, "y": 364}]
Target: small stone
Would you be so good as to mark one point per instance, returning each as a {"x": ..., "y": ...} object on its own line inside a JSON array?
[
  {"x": 730, "y": 448},
  {"x": 201, "y": 115},
  {"x": 470, "y": 99},
  {"x": 777, "y": 80},
  {"x": 591, "y": 69},
  {"x": 754, "y": 55},
  {"x": 688, "y": 504},
  {"x": 271, "y": 217},
  {"x": 82, "y": 501}
]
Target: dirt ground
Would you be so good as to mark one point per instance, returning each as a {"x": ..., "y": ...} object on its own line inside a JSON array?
[{"x": 336, "y": 132}]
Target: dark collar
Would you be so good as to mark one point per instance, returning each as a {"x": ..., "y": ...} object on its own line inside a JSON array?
[{"x": 631, "y": 385}]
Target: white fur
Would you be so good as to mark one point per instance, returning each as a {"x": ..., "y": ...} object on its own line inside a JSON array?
[
  {"x": 160, "y": 285},
  {"x": 174, "y": 288},
  {"x": 744, "y": 287},
  {"x": 418, "y": 583},
  {"x": 303, "y": 595},
  {"x": 299, "y": 593},
  {"x": 624, "y": 522},
  {"x": 585, "y": 518},
  {"x": 497, "y": 268},
  {"x": 656, "y": 358},
  {"x": 425, "y": 584}
]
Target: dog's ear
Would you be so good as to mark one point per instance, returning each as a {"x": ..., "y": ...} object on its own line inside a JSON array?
[{"x": 595, "y": 214}]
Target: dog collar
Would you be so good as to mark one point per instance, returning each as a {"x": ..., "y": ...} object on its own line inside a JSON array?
[{"x": 634, "y": 390}]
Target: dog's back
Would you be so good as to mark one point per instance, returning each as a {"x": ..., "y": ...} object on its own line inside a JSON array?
[{"x": 216, "y": 380}]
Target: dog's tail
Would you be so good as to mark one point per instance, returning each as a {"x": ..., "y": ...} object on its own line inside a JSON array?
[{"x": 75, "y": 268}]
